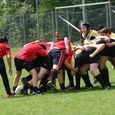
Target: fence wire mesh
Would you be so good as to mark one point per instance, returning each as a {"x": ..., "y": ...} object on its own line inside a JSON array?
[{"x": 21, "y": 29}]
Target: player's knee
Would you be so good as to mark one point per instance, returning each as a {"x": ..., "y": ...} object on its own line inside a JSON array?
[{"x": 55, "y": 67}]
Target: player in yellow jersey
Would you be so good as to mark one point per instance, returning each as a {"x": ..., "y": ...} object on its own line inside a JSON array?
[
  {"x": 88, "y": 35},
  {"x": 108, "y": 52}
]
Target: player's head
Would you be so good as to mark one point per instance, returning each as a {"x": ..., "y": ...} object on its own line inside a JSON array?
[
  {"x": 56, "y": 36},
  {"x": 3, "y": 39},
  {"x": 43, "y": 46},
  {"x": 105, "y": 31},
  {"x": 84, "y": 27}
]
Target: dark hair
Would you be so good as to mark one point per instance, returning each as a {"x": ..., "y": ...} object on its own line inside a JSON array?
[
  {"x": 86, "y": 24},
  {"x": 43, "y": 46},
  {"x": 3, "y": 39},
  {"x": 99, "y": 27},
  {"x": 105, "y": 30}
]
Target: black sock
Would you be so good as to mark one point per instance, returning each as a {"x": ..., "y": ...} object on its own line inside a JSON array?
[
  {"x": 105, "y": 76},
  {"x": 28, "y": 78},
  {"x": 86, "y": 80},
  {"x": 77, "y": 79},
  {"x": 71, "y": 83},
  {"x": 27, "y": 86},
  {"x": 62, "y": 86},
  {"x": 100, "y": 80},
  {"x": 53, "y": 75},
  {"x": 14, "y": 88},
  {"x": 44, "y": 80}
]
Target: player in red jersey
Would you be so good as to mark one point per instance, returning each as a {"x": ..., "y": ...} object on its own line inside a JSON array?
[
  {"x": 59, "y": 50},
  {"x": 5, "y": 50},
  {"x": 24, "y": 58}
]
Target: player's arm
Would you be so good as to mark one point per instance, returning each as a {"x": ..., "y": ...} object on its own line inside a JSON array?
[
  {"x": 67, "y": 44},
  {"x": 99, "y": 47},
  {"x": 8, "y": 55},
  {"x": 69, "y": 66}
]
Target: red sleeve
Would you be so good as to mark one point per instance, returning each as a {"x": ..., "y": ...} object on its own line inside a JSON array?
[{"x": 8, "y": 52}]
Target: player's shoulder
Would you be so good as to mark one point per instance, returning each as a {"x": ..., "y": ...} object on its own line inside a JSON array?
[
  {"x": 112, "y": 35},
  {"x": 93, "y": 32}
]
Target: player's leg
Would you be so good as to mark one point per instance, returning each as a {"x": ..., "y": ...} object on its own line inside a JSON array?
[
  {"x": 5, "y": 77},
  {"x": 70, "y": 77},
  {"x": 60, "y": 77},
  {"x": 85, "y": 76},
  {"x": 104, "y": 70}
]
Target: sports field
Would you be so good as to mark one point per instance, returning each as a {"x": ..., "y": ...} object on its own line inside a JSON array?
[{"x": 93, "y": 102}]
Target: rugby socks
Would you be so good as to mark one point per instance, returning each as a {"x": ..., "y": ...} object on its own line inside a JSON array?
[
  {"x": 28, "y": 78},
  {"x": 71, "y": 83},
  {"x": 105, "y": 76},
  {"x": 77, "y": 79},
  {"x": 62, "y": 86},
  {"x": 86, "y": 80},
  {"x": 44, "y": 81},
  {"x": 100, "y": 80},
  {"x": 27, "y": 86},
  {"x": 53, "y": 75}
]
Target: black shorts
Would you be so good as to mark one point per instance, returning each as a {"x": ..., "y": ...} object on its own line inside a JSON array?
[
  {"x": 81, "y": 59},
  {"x": 56, "y": 57},
  {"x": 22, "y": 64},
  {"x": 42, "y": 62},
  {"x": 94, "y": 59},
  {"x": 108, "y": 51},
  {"x": 112, "y": 51}
]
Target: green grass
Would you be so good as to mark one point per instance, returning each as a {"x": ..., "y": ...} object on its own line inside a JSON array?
[{"x": 94, "y": 102}]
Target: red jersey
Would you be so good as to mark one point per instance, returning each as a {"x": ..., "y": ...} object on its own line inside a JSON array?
[
  {"x": 69, "y": 57},
  {"x": 62, "y": 45},
  {"x": 4, "y": 50},
  {"x": 31, "y": 51}
]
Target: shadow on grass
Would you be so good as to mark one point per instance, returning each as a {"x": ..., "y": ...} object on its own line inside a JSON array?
[{"x": 95, "y": 88}]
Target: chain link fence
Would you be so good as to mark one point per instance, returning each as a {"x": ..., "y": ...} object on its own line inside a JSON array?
[{"x": 21, "y": 29}]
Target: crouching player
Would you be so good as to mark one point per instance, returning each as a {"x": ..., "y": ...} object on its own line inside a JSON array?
[
  {"x": 23, "y": 60},
  {"x": 90, "y": 53},
  {"x": 5, "y": 50},
  {"x": 58, "y": 52}
]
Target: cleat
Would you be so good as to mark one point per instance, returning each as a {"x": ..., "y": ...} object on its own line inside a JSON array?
[
  {"x": 23, "y": 92},
  {"x": 88, "y": 87},
  {"x": 106, "y": 88},
  {"x": 36, "y": 93},
  {"x": 70, "y": 87},
  {"x": 42, "y": 88},
  {"x": 52, "y": 87},
  {"x": 10, "y": 95}
]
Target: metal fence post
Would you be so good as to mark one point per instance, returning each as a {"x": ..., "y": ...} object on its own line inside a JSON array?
[
  {"x": 37, "y": 19},
  {"x": 56, "y": 20},
  {"x": 107, "y": 15},
  {"x": 24, "y": 32},
  {"x": 110, "y": 22},
  {"x": 52, "y": 13},
  {"x": 68, "y": 27}
]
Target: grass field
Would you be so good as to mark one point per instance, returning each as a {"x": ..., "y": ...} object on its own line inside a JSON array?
[{"x": 93, "y": 102}]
